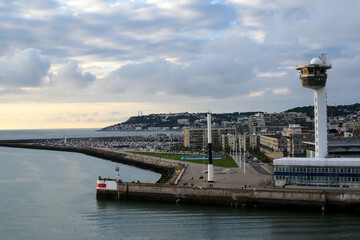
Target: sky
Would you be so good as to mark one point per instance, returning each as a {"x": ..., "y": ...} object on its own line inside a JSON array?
[{"x": 94, "y": 63}]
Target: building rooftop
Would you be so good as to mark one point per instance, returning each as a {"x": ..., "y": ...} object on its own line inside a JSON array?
[
  {"x": 322, "y": 162},
  {"x": 353, "y": 143}
]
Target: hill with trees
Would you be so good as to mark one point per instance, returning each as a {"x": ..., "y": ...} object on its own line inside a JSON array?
[
  {"x": 167, "y": 121},
  {"x": 332, "y": 111}
]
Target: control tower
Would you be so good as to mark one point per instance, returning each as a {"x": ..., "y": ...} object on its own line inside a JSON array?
[
  {"x": 321, "y": 171},
  {"x": 314, "y": 76}
]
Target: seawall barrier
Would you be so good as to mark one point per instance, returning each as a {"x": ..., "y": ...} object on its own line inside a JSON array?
[{"x": 329, "y": 200}]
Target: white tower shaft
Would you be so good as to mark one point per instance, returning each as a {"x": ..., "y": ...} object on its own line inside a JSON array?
[{"x": 320, "y": 117}]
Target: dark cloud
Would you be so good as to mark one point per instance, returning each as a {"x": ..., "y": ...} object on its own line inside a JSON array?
[
  {"x": 214, "y": 76},
  {"x": 227, "y": 68}
]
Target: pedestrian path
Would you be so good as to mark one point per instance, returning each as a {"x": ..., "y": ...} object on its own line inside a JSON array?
[{"x": 193, "y": 175}]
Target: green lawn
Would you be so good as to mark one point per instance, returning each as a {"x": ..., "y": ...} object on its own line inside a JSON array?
[
  {"x": 261, "y": 156},
  {"x": 228, "y": 162}
]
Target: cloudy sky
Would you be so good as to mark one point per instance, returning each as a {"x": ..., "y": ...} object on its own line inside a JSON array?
[{"x": 92, "y": 63}]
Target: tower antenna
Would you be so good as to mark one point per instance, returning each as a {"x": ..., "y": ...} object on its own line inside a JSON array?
[{"x": 323, "y": 57}]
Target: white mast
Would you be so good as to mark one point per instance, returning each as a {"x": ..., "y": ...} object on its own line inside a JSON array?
[
  {"x": 210, "y": 165},
  {"x": 236, "y": 151}
]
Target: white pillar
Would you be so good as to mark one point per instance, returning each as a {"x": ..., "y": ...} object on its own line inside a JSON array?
[
  {"x": 320, "y": 117},
  {"x": 210, "y": 165},
  {"x": 244, "y": 157},
  {"x": 240, "y": 149}
]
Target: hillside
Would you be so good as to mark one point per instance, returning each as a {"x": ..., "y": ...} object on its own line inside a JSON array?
[
  {"x": 179, "y": 120},
  {"x": 332, "y": 111},
  {"x": 172, "y": 120}
]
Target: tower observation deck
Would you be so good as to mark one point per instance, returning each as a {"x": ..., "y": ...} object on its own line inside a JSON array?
[{"x": 314, "y": 74}]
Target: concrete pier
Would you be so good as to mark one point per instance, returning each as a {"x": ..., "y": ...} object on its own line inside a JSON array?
[{"x": 320, "y": 200}]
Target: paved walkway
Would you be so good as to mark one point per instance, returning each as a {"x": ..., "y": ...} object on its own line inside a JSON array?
[
  {"x": 226, "y": 177},
  {"x": 260, "y": 170},
  {"x": 194, "y": 174}
]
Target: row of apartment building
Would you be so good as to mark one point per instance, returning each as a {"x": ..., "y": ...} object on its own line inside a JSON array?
[
  {"x": 295, "y": 141},
  {"x": 288, "y": 133},
  {"x": 270, "y": 131},
  {"x": 291, "y": 142},
  {"x": 196, "y": 138}
]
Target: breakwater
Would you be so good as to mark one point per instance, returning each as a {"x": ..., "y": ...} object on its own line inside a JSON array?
[
  {"x": 329, "y": 200},
  {"x": 169, "y": 170}
]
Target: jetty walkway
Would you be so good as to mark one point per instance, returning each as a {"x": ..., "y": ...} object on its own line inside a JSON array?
[{"x": 195, "y": 174}]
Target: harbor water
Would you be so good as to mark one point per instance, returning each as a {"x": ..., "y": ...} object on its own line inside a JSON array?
[
  {"x": 51, "y": 195},
  {"x": 72, "y": 133}
]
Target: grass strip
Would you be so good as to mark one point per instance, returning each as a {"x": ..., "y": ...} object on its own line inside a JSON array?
[{"x": 227, "y": 162}]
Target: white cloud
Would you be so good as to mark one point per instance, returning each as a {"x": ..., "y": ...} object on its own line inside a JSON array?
[
  {"x": 72, "y": 77},
  {"x": 271, "y": 74},
  {"x": 258, "y": 4},
  {"x": 279, "y": 91},
  {"x": 23, "y": 68},
  {"x": 256, "y": 94}
]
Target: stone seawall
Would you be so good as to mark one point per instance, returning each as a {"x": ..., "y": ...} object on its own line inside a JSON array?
[
  {"x": 270, "y": 198},
  {"x": 169, "y": 170},
  {"x": 173, "y": 168}
]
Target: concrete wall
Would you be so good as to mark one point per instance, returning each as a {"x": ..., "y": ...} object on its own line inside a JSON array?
[
  {"x": 174, "y": 166},
  {"x": 274, "y": 198}
]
